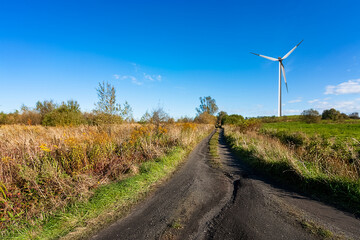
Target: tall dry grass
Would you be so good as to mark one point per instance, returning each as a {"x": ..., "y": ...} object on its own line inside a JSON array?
[{"x": 44, "y": 168}]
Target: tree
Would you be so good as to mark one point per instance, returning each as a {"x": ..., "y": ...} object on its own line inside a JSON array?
[
  {"x": 331, "y": 114},
  {"x": 233, "y": 119},
  {"x": 207, "y": 105},
  {"x": 159, "y": 116},
  {"x": 343, "y": 116},
  {"x": 66, "y": 114},
  {"x": 146, "y": 118},
  {"x": 221, "y": 116},
  {"x": 354, "y": 115},
  {"x": 29, "y": 116},
  {"x": 108, "y": 111},
  {"x": 310, "y": 116},
  {"x": 156, "y": 116},
  {"x": 126, "y": 112},
  {"x": 185, "y": 119},
  {"x": 205, "y": 118},
  {"x": 45, "y": 107},
  {"x": 107, "y": 99}
]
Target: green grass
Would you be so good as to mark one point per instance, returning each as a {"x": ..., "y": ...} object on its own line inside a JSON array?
[
  {"x": 107, "y": 204},
  {"x": 176, "y": 224},
  {"x": 213, "y": 150},
  {"x": 327, "y": 129},
  {"x": 315, "y": 229}
]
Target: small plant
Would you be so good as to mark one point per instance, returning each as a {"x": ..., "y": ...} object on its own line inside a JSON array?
[{"x": 176, "y": 224}]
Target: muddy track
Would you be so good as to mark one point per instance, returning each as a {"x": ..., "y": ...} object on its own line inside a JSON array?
[{"x": 202, "y": 202}]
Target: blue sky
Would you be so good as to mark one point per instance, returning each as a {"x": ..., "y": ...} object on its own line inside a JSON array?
[{"x": 170, "y": 53}]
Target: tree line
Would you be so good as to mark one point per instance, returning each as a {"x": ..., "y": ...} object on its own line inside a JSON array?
[
  {"x": 313, "y": 116},
  {"x": 107, "y": 111},
  {"x": 49, "y": 113}
]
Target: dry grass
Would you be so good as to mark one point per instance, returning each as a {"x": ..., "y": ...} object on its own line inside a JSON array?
[{"x": 42, "y": 169}]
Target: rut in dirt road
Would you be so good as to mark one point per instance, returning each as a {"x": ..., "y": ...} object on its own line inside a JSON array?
[{"x": 231, "y": 202}]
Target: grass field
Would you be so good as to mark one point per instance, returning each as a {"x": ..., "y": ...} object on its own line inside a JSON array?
[{"x": 338, "y": 130}]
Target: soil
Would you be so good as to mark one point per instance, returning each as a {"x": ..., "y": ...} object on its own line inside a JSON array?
[{"x": 230, "y": 202}]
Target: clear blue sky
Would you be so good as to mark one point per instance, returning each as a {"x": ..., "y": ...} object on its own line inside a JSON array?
[{"x": 169, "y": 53}]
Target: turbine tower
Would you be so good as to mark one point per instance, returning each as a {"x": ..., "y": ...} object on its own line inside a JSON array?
[{"x": 281, "y": 69}]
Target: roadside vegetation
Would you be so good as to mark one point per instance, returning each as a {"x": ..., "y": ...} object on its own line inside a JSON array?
[
  {"x": 213, "y": 149},
  {"x": 43, "y": 169},
  {"x": 61, "y": 168},
  {"x": 321, "y": 158}
]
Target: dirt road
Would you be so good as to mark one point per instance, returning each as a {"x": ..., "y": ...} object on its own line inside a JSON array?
[{"x": 202, "y": 202}]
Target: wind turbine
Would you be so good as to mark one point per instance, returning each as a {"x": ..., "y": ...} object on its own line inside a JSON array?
[{"x": 281, "y": 69}]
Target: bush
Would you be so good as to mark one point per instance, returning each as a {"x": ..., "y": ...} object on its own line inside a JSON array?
[
  {"x": 354, "y": 115},
  {"x": 233, "y": 119},
  {"x": 68, "y": 114},
  {"x": 331, "y": 114},
  {"x": 205, "y": 118},
  {"x": 310, "y": 116}
]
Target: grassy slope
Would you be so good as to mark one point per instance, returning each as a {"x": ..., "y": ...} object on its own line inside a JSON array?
[{"x": 108, "y": 203}]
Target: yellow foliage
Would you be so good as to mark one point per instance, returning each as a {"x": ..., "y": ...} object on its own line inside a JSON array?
[
  {"x": 186, "y": 127},
  {"x": 44, "y": 147}
]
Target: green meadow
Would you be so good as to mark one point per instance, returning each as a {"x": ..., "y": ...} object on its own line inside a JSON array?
[{"x": 343, "y": 130}]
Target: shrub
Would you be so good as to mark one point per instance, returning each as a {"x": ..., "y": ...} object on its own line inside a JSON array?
[
  {"x": 221, "y": 115},
  {"x": 310, "y": 116},
  {"x": 185, "y": 120},
  {"x": 354, "y": 115},
  {"x": 331, "y": 114},
  {"x": 205, "y": 118},
  {"x": 233, "y": 119},
  {"x": 67, "y": 114}
]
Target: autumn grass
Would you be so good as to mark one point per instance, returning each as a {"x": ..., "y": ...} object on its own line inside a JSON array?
[
  {"x": 108, "y": 202},
  {"x": 51, "y": 177},
  {"x": 315, "y": 167}
]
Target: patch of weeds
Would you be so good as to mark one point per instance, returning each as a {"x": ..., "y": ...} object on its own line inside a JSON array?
[
  {"x": 213, "y": 150},
  {"x": 176, "y": 224},
  {"x": 317, "y": 230}
]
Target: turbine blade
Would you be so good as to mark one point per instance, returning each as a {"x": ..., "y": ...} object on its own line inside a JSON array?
[
  {"x": 292, "y": 50},
  {"x": 283, "y": 72},
  {"x": 270, "y": 58}
]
